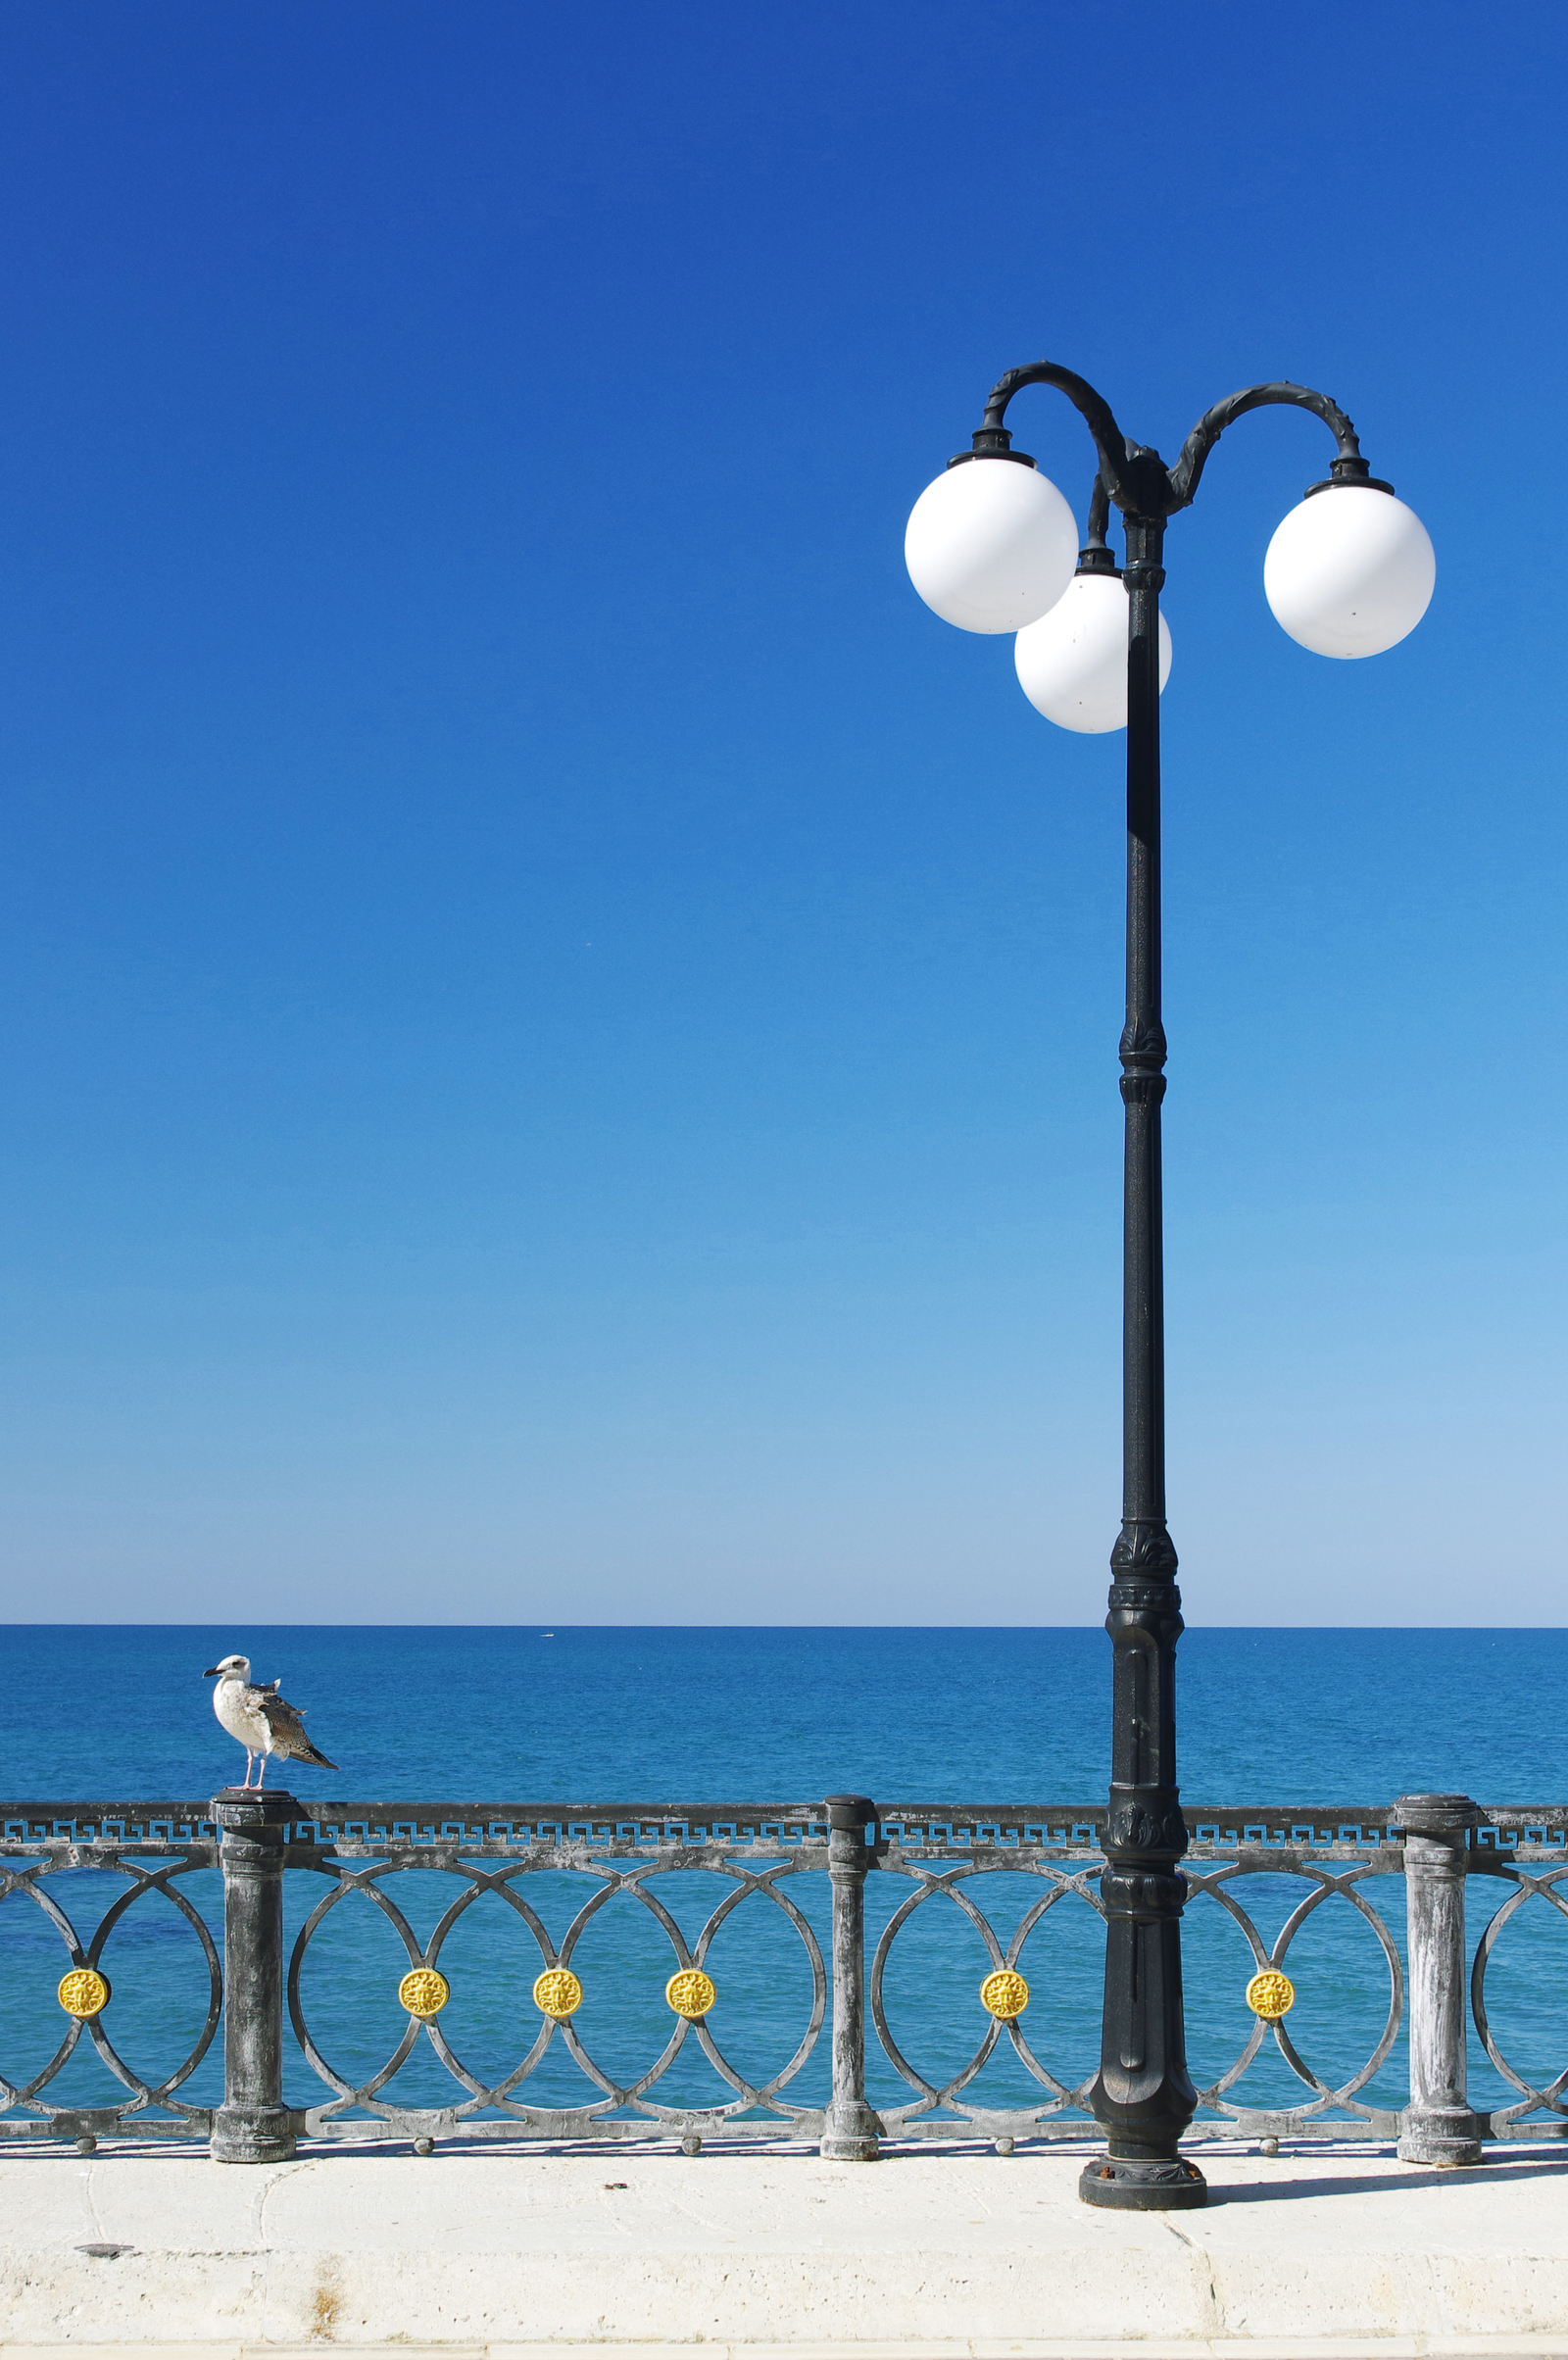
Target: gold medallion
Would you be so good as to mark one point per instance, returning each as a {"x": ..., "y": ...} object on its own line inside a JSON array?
[
  {"x": 1270, "y": 1995},
  {"x": 1004, "y": 1994},
  {"x": 690, "y": 1993},
  {"x": 423, "y": 1991},
  {"x": 83, "y": 1992},
  {"x": 557, "y": 1993}
]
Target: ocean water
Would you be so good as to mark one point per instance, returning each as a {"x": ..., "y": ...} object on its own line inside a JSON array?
[{"x": 662, "y": 1715}]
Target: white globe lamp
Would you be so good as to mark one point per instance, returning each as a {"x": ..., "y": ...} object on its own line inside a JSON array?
[
  {"x": 1072, "y": 663},
  {"x": 991, "y": 545},
  {"x": 1351, "y": 571}
]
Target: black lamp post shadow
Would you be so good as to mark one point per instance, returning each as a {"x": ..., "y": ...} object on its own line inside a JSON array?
[{"x": 1142, "y": 2094}]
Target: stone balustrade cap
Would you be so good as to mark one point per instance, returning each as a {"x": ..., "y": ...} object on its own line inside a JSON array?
[{"x": 1436, "y": 1814}]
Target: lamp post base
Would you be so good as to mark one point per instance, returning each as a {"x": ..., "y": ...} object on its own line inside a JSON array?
[{"x": 1124, "y": 2183}]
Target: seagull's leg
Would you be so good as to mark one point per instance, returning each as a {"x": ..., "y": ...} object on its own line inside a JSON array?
[
  {"x": 250, "y": 1765},
  {"x": 262, "y": 1780}
]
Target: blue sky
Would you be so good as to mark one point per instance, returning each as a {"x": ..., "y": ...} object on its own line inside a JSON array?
[{"x": 560, "y": 1045}]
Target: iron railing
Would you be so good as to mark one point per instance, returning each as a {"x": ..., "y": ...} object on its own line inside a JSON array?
[{"x": 824, "y": 1869}]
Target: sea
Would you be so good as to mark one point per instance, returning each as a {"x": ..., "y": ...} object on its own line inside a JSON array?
[{"x": 665, "y": 1716}]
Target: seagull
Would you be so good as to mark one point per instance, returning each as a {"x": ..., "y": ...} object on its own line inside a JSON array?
[{"x": 260, "y": 1718}]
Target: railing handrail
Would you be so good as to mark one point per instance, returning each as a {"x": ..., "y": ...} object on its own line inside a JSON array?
[
  {"x": 563, "y": 1813},
  {"x": 1287, "y": 1818}
]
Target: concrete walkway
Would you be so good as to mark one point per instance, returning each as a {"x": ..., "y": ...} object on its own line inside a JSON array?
[{"x": 944, "y": 2253}]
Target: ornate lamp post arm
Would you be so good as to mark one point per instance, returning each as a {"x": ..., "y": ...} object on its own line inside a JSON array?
[
  {"x": 994, "y": 440},
  {"x": 1348, "y": 467},
  {"x": 1133, "y": 476}
]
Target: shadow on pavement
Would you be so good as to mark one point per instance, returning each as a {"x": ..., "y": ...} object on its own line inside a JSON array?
[{"x": 1409, "y": 2181}]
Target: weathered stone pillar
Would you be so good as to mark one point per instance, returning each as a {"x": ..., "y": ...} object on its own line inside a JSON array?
[
  {"x": 849, "y": 2129},
  {"x": 253, "y": 2124},
  {"x": 1437, "y": 2127}
]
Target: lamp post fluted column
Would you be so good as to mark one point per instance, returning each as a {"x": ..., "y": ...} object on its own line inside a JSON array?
[{"x": 1142, "y": 2092}]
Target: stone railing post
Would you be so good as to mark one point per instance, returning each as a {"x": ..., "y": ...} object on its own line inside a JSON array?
[
  {"x": 1437, "y": 2125},
  {"x": 849, "y": 2129},
  {"x": 253, "y": 2124}
]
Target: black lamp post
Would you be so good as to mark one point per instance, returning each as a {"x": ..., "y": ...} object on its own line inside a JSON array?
[{"x": 1352, "y": 579}]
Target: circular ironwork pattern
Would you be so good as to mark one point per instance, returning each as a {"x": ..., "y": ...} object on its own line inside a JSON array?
[
  {"x": 556, "y": 1993},
  {"x": 1271, "y": 1995},
  {"x": 1318, "y": 2097},
  {"x": 619, "y": 1878},
  {"x": 83, "y": 1992},
  {"x": 85, "y": 1989},
  {"x": 611, "y": 2095},
  {"x": 423, "y": 1991},
  {"x": 1537, "y": 1881},
  {"x": 1004, "y": 1977},
  {"x": 87, "y": 1983},
  {"x": 1326, "y": 1885},
  {"x": 690, "y": 1993},
  {"x": 1004, "y": 1994}
]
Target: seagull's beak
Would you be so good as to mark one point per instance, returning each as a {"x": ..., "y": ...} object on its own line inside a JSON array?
[{"x": 211, "y": 1675}]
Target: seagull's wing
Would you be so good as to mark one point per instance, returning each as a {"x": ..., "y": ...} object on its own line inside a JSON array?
[
  {"x": 249, "y": 1700},
  {"x": 288, "y": 1730}
]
